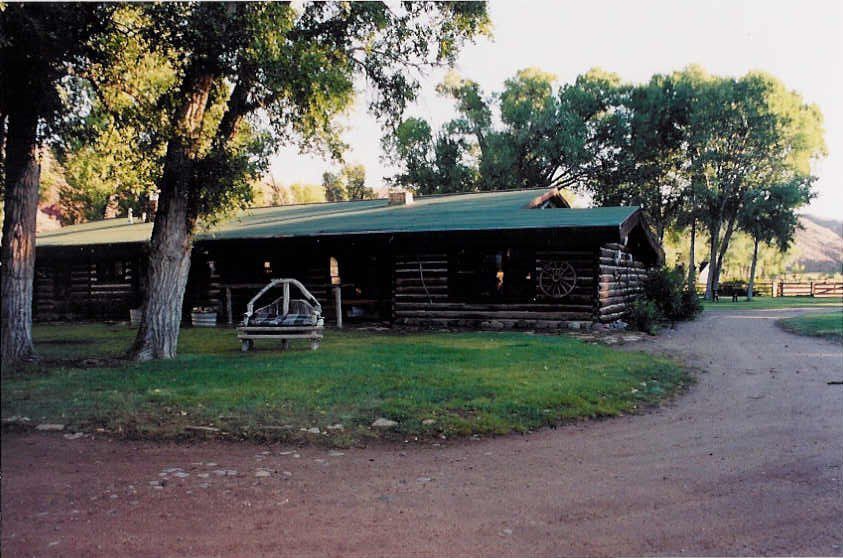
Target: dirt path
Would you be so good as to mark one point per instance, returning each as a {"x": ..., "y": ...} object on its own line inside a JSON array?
[{"x": 747, "y": 463}]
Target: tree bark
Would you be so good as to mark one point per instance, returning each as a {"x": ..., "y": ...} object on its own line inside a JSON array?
[
  {"x": 721, "y": 255},
  {"x": 712, "y": 261},
  {"x": 692, "y": 263},
  {"x": 172, "y": 233},
  {"x": 752, "y": 270},
  {"x": 17, "y": 252}
]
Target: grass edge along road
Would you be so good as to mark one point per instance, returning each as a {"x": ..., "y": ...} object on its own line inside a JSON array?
[
  {"x": 430, "y": 384},
  {"x": 773, "y": 303},
  {"x": 828, "y": 325}
]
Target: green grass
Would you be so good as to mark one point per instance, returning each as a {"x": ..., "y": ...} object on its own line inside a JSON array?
[
  {"x": 828, "y": 325},
  {"x": 469, "y": 383},
  {"x": 769, "y": 303}
]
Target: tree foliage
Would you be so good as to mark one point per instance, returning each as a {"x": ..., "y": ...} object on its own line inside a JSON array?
[
  {"x": 544, "y": 136},
  {"x": 285, "y": 71},
  {"x": 348, "y": 184}
]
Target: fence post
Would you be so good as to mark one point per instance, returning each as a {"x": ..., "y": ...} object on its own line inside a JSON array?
[{"x": 812, "y": 289}]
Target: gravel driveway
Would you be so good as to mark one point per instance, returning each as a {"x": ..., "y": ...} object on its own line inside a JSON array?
[{"x": 747, "y": 463}]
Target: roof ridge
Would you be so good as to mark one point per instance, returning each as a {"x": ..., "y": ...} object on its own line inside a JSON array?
[{"x": 417, "y": 198}]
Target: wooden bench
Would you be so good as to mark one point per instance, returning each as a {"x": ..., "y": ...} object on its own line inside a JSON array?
[{"x": 267, "y": 322}]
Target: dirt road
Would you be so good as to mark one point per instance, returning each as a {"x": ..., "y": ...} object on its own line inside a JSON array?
[{"x": 747, "y": 463}]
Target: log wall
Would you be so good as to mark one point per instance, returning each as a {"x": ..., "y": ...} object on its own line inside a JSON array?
[
  {"x": 620, "y": 282},
  {"x": 422, "y": 298},
  {"x": 75, "y": 291}
]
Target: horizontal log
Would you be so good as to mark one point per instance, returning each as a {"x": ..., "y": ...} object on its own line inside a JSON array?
[
  {"x": 418, "y": 289},
  {"x": 614, "y": 246},
  {"x": 612, "y": 289},
  {"x": 418, "y": 281},
  {"x": 623, "y": 263},
  {"x": 494, "y": 307},
  {"x": 508, "y": 324},
  {"x": 623, "y": 299},
  {"x": 492, "y": 315},
  {"x": 564, "y": 253},
  {"x": 612, "y": 317},
  {"x": 611, "y": 278},
  {"x": 610, "y": 268},
  {"x": 587, "y": 263},
  {"x": 405, "y": 259},
  {"x": 420, "y": 297},
  {"x": 613, "y": 308},
  {"x": 426, "y": 271}
]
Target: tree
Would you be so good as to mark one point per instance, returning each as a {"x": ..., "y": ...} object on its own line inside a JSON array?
[
  {"x": 544, "y": 138},
  {"x": 769, "y": 216},
  {"x": 107, "y": 140},
  {"x": 334, "y": 187},
  {"x": 355, "y": 183},
  {"x": 646, "y": 151},
  {"x": 746, "y": 133},
  {"x": 293, "y": 68},
  {"x": 348, "y": 184},
  {"x": 428, "y": 165},
  {"x": 39, "y": 45}
]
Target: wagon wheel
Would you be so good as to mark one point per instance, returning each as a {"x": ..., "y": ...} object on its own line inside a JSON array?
[{"x": 557, "y": 279}]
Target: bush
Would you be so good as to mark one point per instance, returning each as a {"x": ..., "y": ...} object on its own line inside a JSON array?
[
  {"x": 645, "y": 315},
  {"x": 666, "y": 298},
  {"x": 664, "y": 287},
  {"x": 691, "y": 305}
]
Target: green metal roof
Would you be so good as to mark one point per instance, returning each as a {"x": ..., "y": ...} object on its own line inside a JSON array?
[{"x": 458, "y": 212}]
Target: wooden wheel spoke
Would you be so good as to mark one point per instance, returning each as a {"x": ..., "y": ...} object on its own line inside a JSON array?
[{"x": 557, "y": 279}]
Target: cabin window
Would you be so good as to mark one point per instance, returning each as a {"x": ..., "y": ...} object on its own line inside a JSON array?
[
  {"x": 267, "y": 267},
  {"x": 111, "y": 272},
  {"x": 492, "y": 276}
]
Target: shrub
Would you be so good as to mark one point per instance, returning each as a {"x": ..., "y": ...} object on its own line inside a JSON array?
[
  {"x": 645, "y": 315},
  {"x": 666, "y": 298},
  {"x": 664, "y": 287},
  {"x": 691, "y": 305}
]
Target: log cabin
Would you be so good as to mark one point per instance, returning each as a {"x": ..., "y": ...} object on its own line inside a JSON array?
[{"x": 506, "y": 259}]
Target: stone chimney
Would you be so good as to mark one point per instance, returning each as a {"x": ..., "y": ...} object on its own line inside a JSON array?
[{"x": 401, "y": 198}]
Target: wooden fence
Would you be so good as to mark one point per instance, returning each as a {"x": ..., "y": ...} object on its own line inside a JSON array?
[
  {"x": 825, "y": 289},
  {"x": 816, "y": 289}
]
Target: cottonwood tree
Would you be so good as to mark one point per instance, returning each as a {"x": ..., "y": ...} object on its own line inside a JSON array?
[
  {"x": 293, "y": 68},
  {"x": 348, "y": 184},
  {"x": 108, "y": 140},
  {"x": 647, "y": 152},
  {"x": 545, "y": 136},
  {"x": 746, "y": 134},
  {"x": 769, "y": 216},
  {"x": 39, "y": 45},
  {"x": 334, "y": 188},
  {"x": 429, "y": 165}
]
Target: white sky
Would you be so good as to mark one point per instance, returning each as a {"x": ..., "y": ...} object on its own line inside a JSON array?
[{"x": 797, "y": 41}]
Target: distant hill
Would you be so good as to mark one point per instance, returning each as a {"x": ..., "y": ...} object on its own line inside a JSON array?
[{"x": 819, "y": 244}]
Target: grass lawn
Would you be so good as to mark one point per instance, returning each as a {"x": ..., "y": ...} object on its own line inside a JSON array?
[
  {"x": 468, "y": 383},
  {"x": 828, "y": 325},
  {"x": 769, "y": 303}
]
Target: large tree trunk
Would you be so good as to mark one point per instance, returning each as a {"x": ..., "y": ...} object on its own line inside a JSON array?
[
  {"x": 712, "y": 261},
  {"x": 167, "y": 272},
  {"x": 721, "y": 255},
  {"x": 17, "y": 253},
  {"x": 751, "y": 284},
  {"x": 692, "y": 261},
  {"x": 172, "y": 233}
]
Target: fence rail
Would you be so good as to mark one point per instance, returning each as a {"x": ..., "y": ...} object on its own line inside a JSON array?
[{"x": 816, "y": 289}]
